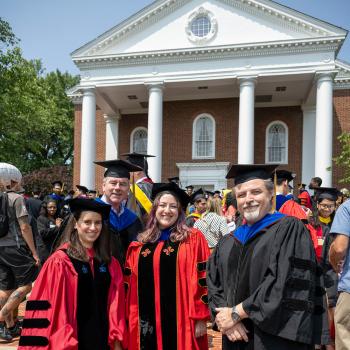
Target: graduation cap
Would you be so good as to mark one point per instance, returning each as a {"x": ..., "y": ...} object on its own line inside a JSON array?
[
  {"x": 173, "y": 179},
  {"x": 209, "y": 193},
  {"x": 330, "y": 193},
  {"x": 84, "y": 204},
  {"x": 138, "y": 159},
  {"x": 118, "y": 168},
  {"x": 285, "y": 175},
  {"x": 57, "y": 182},
  {"x": 92, "y": 191},
  {"x": 195, "y": 196},
  {"x": 217, "y": 192},
  {"x": 245, "y": 172},
  {"x": 189, "y": 187},
  {"x": 172, "y": 187},
  {"x": 301, "y": 185},
  {"x": 82, "y": 189}
]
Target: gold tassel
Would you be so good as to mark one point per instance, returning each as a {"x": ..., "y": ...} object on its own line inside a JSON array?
[{"x": 274, "y": 200}]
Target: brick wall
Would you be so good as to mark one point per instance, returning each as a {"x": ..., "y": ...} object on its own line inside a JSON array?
[
  {"x": 178, "y": 117},
  {"x": 341, "y": 123}
]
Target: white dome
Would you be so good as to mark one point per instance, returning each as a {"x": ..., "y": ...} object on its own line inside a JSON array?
[{"x": 9, "y": 172}]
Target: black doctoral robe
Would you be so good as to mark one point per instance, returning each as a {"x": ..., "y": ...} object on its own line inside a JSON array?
[{"x": 276, "y": 276}]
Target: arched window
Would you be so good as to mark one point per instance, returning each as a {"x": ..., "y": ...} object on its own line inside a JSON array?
[
  {"x": 203, "y": 145},
  {"x": 138, "y": 140},
  {"x": 277, "y": 143}
]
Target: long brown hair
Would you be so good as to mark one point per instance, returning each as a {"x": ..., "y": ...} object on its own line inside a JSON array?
[
  {"x": 152, "y": 233},
  {"x": 77, "y": 250}
]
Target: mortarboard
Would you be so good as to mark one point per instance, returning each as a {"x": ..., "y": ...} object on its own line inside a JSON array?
[
  {"x": 118, "y": 168},
  {"x": 330, "y": 193},
  {"x": 180, "y": 194},
  {"x": 189, "y": 186},
  {"x": 195, "y": 196},
  {"x": 92, "y": 191},
  {"x": 57, "y": 182},
  {"x": 245, "y": 172},
  {"x": 138, "y": 159},
  {"x": 84, "y": 204},
  {"x": 82, "y": 189},
  {"x": 285, "y": 175}
]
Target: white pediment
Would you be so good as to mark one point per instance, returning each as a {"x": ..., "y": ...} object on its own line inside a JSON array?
[{"x": 162, "y": 27}]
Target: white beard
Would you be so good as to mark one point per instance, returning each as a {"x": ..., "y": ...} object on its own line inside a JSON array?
[{"x": 252, "y": 216}]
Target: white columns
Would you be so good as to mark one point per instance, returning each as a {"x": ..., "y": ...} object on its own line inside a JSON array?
[
  {"x": 88, "y": 139},
  {"x": 308, "y": 152},
  {"x": 112, "y": 136},
  {"x": 155, "y": 131},
  {"x": 324, "y": 129},
  {"x": 246, "y": 121}
]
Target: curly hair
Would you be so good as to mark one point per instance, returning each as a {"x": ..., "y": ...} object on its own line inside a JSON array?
[{"x": 152, "y": 233}]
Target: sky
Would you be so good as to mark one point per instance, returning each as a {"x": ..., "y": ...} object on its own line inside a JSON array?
[{"x": 51, "y": 29}]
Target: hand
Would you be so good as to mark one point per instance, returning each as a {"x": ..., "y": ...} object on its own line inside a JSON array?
[
  {"x": 37, "y": 260},
  {"x": 200, "y": 328},
  {"x": 58, "y": 222},
  {"x": 237, "y": 333},
  {"x": 117, "y": 346},
  {"x": 224, "y": 319}
]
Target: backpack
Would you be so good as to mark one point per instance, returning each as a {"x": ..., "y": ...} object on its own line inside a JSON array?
[{"x": 4, "y": 217}]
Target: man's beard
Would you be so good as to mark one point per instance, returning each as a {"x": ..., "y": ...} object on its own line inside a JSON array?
[{"x": 252, "y": 215}]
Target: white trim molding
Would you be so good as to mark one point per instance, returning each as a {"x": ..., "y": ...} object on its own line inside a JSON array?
[{"x": 201, "y": 174}]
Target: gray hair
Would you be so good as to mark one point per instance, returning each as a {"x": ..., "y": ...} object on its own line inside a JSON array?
[{"x": 269, "y": 185}]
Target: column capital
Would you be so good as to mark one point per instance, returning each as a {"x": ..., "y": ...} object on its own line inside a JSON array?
[
  {"x": 247, "y": 80},
  {"x": 155, "y": 86},
  {"x": 325, "y": 76},
  {"x": 111, "y": 118},
  {"x": 88, "y": 90}
]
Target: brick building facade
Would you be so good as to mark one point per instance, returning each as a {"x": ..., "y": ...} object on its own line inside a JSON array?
[{"x": 295, "y": 79}]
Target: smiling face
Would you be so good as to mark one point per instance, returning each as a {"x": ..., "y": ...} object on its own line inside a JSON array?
[
  {"x": 325, "y": 208},
  {"x": 116, "y": 190},
  {"x": 89, "y": 227},
  {"x": 167, "y": 211},
  {"x": 253, "y": 200}
]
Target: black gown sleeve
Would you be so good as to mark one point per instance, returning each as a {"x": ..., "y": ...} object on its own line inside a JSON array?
[
  {"x": 330, "y": 276},
  {"x": 215, "y": 277},
  {"x": 289, "y": 300}
]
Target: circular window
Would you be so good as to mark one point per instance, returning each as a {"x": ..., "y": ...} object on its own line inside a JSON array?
[{"x": 201, "y": 26}]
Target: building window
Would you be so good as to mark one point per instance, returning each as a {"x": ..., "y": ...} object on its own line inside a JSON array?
[
  {"x": 138, "y": 140},
  {"x": 201, "y": 26},
  {"x": 203, "y": 137},
  {"x": 277, "y": 143}
]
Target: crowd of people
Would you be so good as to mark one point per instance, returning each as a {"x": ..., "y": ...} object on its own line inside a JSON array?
[{"x": 149, "y": 265}]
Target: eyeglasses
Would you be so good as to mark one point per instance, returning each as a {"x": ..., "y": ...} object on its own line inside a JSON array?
[{"x": 327, "y": 206}]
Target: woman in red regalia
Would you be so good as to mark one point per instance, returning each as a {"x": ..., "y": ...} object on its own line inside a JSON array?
[
  {"x": 166, "y": 278},
  {"x": 78, "y": 300}
]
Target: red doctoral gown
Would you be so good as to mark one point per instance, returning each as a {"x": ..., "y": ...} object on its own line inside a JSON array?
[
  {"x": 57, "y": 284},
  {"x": 167, "y": 293}
]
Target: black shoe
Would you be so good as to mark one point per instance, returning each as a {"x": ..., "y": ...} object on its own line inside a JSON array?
[
  {"x": 5, "y": 334},
  {"x": 15, "y": 331}
]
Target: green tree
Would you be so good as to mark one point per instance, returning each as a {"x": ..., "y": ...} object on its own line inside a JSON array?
[
  {"x": 343, "y": 159},
  {"x": 36, "y": 116}
]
